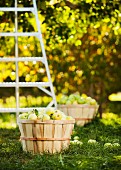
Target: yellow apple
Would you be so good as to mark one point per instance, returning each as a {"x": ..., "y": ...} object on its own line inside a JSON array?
[
  {"x": 93, "y": 102},
  {"x": 57, "y": 115},
  {"x": 50, "y": 111}
]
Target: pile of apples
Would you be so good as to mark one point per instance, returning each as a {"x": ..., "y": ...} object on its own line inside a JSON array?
[
  {"x": 48, "y": 113},
  {"x": 77, "y": 99}
]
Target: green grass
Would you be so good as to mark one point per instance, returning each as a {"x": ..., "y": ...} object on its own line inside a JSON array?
[{"x": 80, "y": 155}]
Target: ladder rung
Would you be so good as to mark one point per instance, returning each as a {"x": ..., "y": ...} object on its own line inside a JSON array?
[
  {"x": 20, "y": 109},
  {"x": 25, "y": 84},
  {"x": 12, "y": 34},
  {"x": 33, "y": 84},
  {"x": 7, "y": 109},
  {"x": 17, "y": 9},
  {"x": 11, "y": 59}
]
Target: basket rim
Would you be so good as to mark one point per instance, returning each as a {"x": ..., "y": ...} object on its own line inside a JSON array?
[
  {"x": 77, "y": 105},
  {"x": 46, "y": 121}
]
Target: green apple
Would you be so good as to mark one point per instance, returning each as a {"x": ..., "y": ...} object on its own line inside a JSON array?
[
  {"x": 77, "y": 96},
  {"x": 34, "y": 111},
  {"x": 93, "y": 102},
  {"x": 92, "y": 141},
  {"x": 68, "y": 102},
  {"x": 23, "y": 116},
  {"x": 81, "y": 100},
  {"x": 32, "y": 116},
  {"x": 107, "y": 145},
  {"x": 45, "y": 117},
  {"x": 76, "y": 138},
  {"x": 116, "y": 145},
  {"x": 88, "y": 99},
  {"x": 75, "y": 102},
  {"x": 63, "y": 100},
  {"x": 76, "y": 142},
  {"x": 40, "y": 116},
  {"x": 72, "y": 98}
]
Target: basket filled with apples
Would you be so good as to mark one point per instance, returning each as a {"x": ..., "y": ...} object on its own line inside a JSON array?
[
  {"x": 48, "y": 130},
  {"x": 81, "y": 107}
]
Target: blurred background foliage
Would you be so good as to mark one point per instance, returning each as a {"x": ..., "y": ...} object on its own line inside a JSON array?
[{"x": 82, "y": 40}]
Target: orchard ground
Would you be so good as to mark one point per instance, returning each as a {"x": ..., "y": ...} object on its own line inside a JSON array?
[{"x": 97, "y": 146}]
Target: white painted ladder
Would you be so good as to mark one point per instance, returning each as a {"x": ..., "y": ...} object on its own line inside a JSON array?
[{"x": 41, "y": 85}]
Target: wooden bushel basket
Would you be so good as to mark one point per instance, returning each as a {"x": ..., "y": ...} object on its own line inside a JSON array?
[
  {"x": 83, "y": 113},
  {"x": 48, "y": 136}
]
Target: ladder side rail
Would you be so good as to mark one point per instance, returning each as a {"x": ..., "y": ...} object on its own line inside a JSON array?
[
  {"x": 45, "y": 90},
  {"x": 43, "y": 51},
  {"x": 16, "y": 63},
  {"x": 50, "y": 104}
]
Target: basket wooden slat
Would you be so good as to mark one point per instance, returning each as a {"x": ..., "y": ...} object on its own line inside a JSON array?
[
  {"x": 29, "y": 134},
  {"x": 67, "y": 129},
  {"x": 83, "y": 113},
  {"x": 57, "y": 145},
  {"x": 39, "y": 134},
  {"x": 47, "y": 136}
]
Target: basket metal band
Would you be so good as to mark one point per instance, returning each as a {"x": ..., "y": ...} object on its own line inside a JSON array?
[{"x": 44, "y": 139}]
